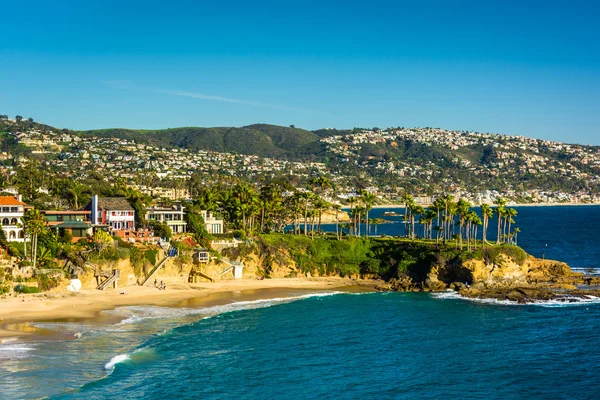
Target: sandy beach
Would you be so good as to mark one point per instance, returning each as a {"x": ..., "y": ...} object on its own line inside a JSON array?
[{"x": 16, "y": 313}]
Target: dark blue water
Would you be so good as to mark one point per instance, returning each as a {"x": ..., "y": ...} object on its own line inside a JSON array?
[{"x": 306, "y": 345}]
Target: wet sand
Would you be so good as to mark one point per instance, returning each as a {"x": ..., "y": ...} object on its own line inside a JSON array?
[{"x": 18, "y": 313}]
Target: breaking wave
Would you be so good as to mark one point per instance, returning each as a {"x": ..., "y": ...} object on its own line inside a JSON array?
[
  {"x": 142, "y": 313},
  {"x": 563, "y": 301}
]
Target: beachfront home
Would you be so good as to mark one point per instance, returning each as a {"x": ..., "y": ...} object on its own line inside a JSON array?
[
  {"x": 12, "y": 209},
  {"x": 212, "y": 224},
  {"x": 78, "y": 223},
  {"x": 172, "y": 216},
  {"x": 113, "y": 212}
]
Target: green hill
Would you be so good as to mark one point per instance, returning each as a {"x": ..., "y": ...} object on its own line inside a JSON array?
[{"x": 258, "y": 139}]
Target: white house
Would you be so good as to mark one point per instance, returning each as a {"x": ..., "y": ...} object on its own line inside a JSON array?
[
  {"x": 212, "y": 224},
  {"x": 172, "y": 216},
  {"x": 11, "y": 214}
]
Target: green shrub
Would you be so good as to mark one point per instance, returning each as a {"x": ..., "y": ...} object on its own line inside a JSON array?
[
  {"x": 46, "y": 282},
  {"x": 20, "y": 288},
  {"x": 150, "y": 255},
  {"x": 4, "y": 289}
]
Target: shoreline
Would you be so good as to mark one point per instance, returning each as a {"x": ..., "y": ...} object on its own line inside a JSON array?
[{"x": 18, "y": 313}]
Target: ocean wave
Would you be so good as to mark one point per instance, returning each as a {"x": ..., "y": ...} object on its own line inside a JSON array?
[
  {"x": 116, "y": 360},
  {"x": 141, "y": 313},
  {"x": 564, "y": 301}
]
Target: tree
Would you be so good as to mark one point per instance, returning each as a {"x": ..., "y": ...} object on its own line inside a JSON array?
[
  {"x": 102, "y": 240},
  {"x": 486, "y": 213},
  {"x": 18, "y": 118},
  {"x": 368, "y": 200},
  {"x": 463, "y": 207},
  {"x": 35, "y": 224},
  {"x": 516, "y": 231},
  {"x": 3, "y": 117},
  {"x": 500, "y": 212},
  {"x": 161, "y": 229},
  {"x": 408, "y": 201},
  {"x": 75, "y": 192}
]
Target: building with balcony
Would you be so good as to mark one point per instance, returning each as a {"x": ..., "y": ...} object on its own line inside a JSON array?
[
  {"x": 172, "y": 216},
  {"x": 12, "y": 210},
  {"x": 212, "y": 224},
  {"x": 113, "y": 212}
]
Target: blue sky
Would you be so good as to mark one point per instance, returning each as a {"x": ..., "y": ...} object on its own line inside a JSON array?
[{"x": 518, "y": 67}]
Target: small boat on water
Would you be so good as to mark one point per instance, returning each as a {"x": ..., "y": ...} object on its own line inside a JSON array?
[{"x": 392, "y": 214}]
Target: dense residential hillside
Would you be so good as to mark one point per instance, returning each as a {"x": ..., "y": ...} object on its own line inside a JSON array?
[{"x": 422, "y": 161}]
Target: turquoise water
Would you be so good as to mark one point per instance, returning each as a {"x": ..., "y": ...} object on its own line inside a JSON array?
[
  {"x": 375, "y": 345},
  {"x": 298, "y": 344}
]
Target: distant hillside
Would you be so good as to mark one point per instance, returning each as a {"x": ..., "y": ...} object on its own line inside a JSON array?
[{"x": 258, "y": 139}]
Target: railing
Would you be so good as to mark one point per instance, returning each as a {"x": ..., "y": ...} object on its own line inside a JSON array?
[{"x": 116, "y": 275}]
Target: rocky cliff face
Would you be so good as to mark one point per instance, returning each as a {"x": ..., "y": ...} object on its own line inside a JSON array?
[{"x": 502, "y": 273}]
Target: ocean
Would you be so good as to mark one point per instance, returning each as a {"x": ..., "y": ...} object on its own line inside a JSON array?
[{"x": 299, "y": 344}]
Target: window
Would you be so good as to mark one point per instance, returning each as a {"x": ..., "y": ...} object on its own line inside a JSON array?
[
  {"x": 5, "y": 221},
  {"x": 13, "y": 221},
  {"x": 14, "y": 209},
  {"x": 114, "y": 213},
  {"x": 130, "y": 213}
]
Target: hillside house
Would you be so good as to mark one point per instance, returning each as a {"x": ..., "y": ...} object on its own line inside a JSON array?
[
  {"x": 212, "y": 224},
  {"x": 76, "y": 222},
  {"x": 12, "y": 210},
  {"x": 172, "y": 216},
  {"x": 114, "y": 212}
]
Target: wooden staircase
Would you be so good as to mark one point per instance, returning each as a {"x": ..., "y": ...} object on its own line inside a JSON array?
[
  {"x": 195, "y": 274},
  {"x": 110, "y": 279}
]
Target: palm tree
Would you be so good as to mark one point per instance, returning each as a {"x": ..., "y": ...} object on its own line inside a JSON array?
[
  {"x": 368, "y": 200},
  {"x": 35, "y": 223},
  {"x": 415, "y": 210},
  {"x": 337, "y": 208},
  {"x": 486, "y": 213},
  {"x": 352, "y": 201},
  {"x": 500, "y": 211},
  {"x": 447, "y": 200},
  {"x": 511, "y": 213},
  {"x": 408, "y": 201},
  {"x": 463, "y": 207},
  {"x": 516, "y": 231}
]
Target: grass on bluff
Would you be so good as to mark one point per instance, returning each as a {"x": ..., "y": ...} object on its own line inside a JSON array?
[{"x": 384, "y": 257}]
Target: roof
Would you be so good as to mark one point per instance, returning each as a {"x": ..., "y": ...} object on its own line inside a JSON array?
[
  {"x": 10, "y": 201},
  {"x": 73, "y": 225},
  {"x": 61, "y": 212},
  {"x": 114, "y": 203}
]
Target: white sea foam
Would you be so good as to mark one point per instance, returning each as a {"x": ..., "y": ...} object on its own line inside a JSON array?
[
  {"x": 142, "y": 313},
  {"x": 564, "y": 301},
  {"x": 587, "y": 271},
  {"x": 115, "y": 360},
  {"x": 16, "y": 350}
]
